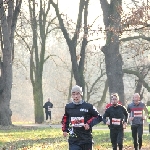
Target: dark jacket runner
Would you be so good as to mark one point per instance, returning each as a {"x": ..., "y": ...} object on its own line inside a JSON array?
[{"x": 74, "y": 119}]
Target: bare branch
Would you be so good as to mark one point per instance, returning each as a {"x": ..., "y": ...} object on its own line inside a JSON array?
[{"x": 135, "y": 37}]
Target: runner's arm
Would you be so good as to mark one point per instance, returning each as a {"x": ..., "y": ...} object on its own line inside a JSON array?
[
  {"x": 65, "y": 122},
  {"x": 125, "y": 114},
  {"x": 106, "y": 114},
  {"x": 96, "y": 117}
]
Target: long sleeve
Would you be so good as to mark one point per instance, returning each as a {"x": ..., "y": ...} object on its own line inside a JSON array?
[
  {"x": 96, "y": 117},
  {"x": 65, "y": 122},
  {"x": 94, "y": 120},
  {"x": 106, "y": 114},
  {"x": 128, "y": 109},
  {"x": 51, "y": 105},
  {"x": 125, "y": 114},
  {"x": 44, "y": 106}
]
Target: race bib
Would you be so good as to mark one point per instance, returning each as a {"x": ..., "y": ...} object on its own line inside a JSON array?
[
  {"x": 138, "y": 114},
  {"x": 116, "y": 121},
  {"x": 49, "y": 109},
  {"x": 77, "y": 121}
]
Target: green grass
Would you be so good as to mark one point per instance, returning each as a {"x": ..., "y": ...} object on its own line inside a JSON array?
[
  {"x": 31, "y": 138},
  {"x": 52, "y": 139}
]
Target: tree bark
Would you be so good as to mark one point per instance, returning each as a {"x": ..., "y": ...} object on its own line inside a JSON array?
[
  {"x": 38, "y": 101},
  {"x": 7, "y": 30},
  {"x": 113, "y": 59}
]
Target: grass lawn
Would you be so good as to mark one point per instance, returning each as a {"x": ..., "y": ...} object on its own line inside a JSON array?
[{"x": 32, "y": 138}]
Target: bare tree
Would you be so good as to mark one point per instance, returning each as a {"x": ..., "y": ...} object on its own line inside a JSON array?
[
  {"x": 138, "y": 64},
  {"x": 136, "y": 28},
  {"x": 42, "y": 24},
  {"x": 7, "y": 28},
  {"x": 95, "y": 75},
  {"x": 37, "y": 53},
  {"x": 77, "y": 60}
]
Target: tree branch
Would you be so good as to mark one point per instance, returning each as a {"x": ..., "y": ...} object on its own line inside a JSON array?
[
  {"x": 136, "y": 73},
  {"x": 135, "y": 37},
  {"x": 61, "y": 23}
]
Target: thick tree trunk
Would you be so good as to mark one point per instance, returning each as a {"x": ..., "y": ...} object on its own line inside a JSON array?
[
  {"x": 36, "y": 80},
  {"x": 6, "y": 72},
  {"x": 8, "y": 26},
  {"x": 6, "y": 85},
  {"x": 113, "y": 60},
  {"x": 78, "y": 69}
]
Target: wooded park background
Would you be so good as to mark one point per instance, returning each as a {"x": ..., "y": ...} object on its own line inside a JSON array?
[{"x": 47, "y": 46}]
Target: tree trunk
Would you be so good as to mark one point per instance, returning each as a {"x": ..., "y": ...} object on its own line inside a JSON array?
[
  {"x": 6, "y": 71},
  {"x": 38, "y": 102},
  {"x": 37, "y": 58},
  {"x": 114, "y": 71},
  {"x": 6, "y": 85},
  {"x": 138, "y": 88},
  {"x": 77, "y": 69},
  {"x": 77, "y": 64},
  {"x": 36, "y": 80},
  {"x": 113, "y": 59},
  {"x": 7, "y": 28}
]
